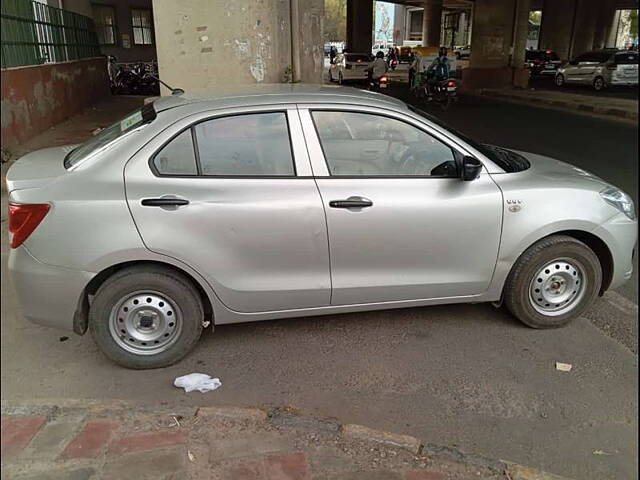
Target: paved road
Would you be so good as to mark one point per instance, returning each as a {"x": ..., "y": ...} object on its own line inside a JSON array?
[{"x": 466, "y": 375}]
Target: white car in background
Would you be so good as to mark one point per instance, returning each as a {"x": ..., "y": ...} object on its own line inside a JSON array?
[
  {"x": 600, "y": 69},
  {"x": 349, "y": 67}
]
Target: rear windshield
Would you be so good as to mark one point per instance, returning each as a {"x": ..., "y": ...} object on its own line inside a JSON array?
[
  {"x": 353, "y": 57},
  {"x": 132, "y": 121},
  {"x": 627, "y": 59},
  {"x": 506, "y": 159}
]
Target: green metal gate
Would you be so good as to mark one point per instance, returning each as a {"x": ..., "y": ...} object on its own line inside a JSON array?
[{"x": 34, "y": 33}]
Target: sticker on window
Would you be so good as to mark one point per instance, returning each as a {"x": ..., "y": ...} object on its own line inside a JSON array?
[{"x": 130, "y": 121}]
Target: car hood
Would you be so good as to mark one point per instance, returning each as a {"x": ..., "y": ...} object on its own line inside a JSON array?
[{"x": 552, "y": 171}]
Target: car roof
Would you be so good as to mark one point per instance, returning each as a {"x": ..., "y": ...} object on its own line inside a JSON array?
[{"x": 267, "y": 94}]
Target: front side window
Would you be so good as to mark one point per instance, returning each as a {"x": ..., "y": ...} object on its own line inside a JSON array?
[
  {"x": 363, "y": 144},
  {"x": 141, "y": 23},
  {"x": 104, "y": 18},
  {"x": 245, "y": 145}
]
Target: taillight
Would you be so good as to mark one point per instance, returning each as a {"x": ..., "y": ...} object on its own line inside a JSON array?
[
  {"x": 383, "y": 79},
  {"x": 23, "y": 220},
  {"x": 451, "y": 83}
]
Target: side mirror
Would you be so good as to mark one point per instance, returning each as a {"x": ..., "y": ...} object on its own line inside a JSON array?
[{"x": 471, "y": 168}]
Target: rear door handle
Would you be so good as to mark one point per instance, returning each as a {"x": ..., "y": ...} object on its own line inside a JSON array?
[
  {"x": 164, "y": 202},
  {"x": 351, "y": 202}
]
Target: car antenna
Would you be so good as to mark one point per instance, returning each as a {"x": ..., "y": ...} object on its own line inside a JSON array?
[{"x": 174, "y": 91}]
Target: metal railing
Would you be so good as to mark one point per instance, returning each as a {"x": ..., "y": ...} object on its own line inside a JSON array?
[{"x": 34, "y": 33}]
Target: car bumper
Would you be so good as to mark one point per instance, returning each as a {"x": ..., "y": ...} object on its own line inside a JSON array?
[
  {"x": 48, "y": 295},
  {"x": 621, "y": 81},
  {"x": 354, "y": 75},
  {"x": 621, "y": 235}
]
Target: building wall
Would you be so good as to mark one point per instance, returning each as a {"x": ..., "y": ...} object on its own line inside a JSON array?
[
  {"x": 202, "y": 43},
  {"x": 34, "y": 98}
]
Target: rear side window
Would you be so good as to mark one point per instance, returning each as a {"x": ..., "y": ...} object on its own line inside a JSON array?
[
  {"x": 245, "y": 145},
  {"x": 177, "y": 157},
  {"x": 626, "y": 59}
]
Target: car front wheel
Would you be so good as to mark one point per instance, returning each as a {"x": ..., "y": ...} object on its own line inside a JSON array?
[
  {"x": 146, "y": 317},
  {"x": 553, "y": 282}
]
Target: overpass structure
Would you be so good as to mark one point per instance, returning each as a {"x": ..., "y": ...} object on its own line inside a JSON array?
[
  {"x": 201, "y": 43},
  {"x": 499, "y": 31}
]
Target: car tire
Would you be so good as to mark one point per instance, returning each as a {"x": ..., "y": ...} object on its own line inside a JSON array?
[
  {"x": 554, "y": 281},
  {"x": 169, "y": 317},
  {"x": 559, "y": 80},
  {"x": 599, "y": 84}
]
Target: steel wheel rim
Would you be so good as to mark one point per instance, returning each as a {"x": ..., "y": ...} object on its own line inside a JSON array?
[
  {"x": 145, "y": 322},
  {"x": 557, "y": 287},
  {"x": 598, "y": 84}
]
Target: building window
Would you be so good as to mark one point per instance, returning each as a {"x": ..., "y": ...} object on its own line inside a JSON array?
[
  {"x": 141, "y": 22},
  {"x": 104, "y": 18}
]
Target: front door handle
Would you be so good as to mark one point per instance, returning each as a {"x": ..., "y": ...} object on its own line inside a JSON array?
[
  {"x": 351, "y": 202},
  {"x": 164, "y": 202}
]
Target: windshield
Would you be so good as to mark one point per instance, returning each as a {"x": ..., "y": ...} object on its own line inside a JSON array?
[
  {"x": 506, "y": 159},
  {"x": 136, "y": 118}
]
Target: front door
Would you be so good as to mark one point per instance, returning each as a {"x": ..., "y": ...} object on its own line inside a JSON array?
[
  {"x": 232, "y": 196},
  {"x": 402, "y": 225}
]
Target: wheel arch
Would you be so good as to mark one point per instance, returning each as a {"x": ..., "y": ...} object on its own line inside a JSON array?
[
  {"x": 595, "y": 243},
  {"x": 81, "y": 317}
]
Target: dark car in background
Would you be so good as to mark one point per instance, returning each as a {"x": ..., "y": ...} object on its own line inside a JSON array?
[{"x": 542, "y": 62}]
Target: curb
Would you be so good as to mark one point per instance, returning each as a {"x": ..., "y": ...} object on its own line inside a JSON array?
[
  {"x": 628, "y": 116},
  {"x": 283, "y": 418}
]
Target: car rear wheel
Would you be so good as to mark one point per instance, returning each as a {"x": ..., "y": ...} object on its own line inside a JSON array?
[
  {"x": 146, "y": 317},
  {"x": 559, "y": 80},
  {"x": 598, "y": 84},
  {"x": 553, "y": 282}
]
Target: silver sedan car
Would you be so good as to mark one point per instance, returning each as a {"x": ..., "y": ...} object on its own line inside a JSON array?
[{"x": 290, "y": 201}]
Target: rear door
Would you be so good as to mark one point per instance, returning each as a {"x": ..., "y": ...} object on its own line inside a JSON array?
[
  {"x": 401, "y": 223},
  {"x": 230, "y": 193}
]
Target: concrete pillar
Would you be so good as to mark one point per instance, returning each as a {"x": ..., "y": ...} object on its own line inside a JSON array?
[
  {"x": 604, "y": 21},
  {"x": 359, "y": 26},
  {"x": 255, "y": 39},
  {"x": 498, "y": 44},
  {"x": 556, "y": 29},
  {"x": 432, "y": 23},
  {"x": 519, "y": 43},
  {"x": 585, "y": 26},
  {"x": 612, "y": 35}
]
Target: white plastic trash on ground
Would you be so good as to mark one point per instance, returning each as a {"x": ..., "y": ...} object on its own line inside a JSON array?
[{"x": 197, "y": 381}]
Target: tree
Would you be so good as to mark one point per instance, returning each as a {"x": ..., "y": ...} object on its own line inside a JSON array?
[{"x": 335, "y": 20}]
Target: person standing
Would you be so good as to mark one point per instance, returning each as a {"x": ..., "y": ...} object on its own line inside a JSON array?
[{"x": 332, "y": 54}]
